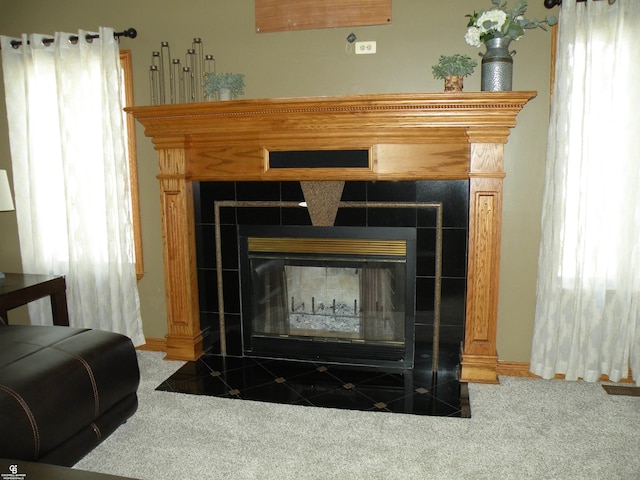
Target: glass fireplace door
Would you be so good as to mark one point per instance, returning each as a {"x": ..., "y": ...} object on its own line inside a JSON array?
[{"x": 327, "y": 298}]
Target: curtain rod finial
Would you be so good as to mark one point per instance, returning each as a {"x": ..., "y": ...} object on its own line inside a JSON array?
[{"x": 552, "y": 3}]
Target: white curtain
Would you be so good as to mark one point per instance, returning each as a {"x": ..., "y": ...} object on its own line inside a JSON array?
[
  {"x": 70, "y": 172},
  {"x": 587, "y": 319}
]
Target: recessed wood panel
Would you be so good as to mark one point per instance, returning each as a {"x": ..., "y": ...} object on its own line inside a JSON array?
[
  {"x": 319, "y": 158},
  {"x": 283, "y": 15},
  {"x": 428, "y": 161}
]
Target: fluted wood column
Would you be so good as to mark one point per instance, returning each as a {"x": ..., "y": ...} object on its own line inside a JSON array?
[
  {"x": 480, "y": 357},
  {"x": 184, "y": 338}
]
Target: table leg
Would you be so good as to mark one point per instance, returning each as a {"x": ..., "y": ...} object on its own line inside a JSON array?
[{"x": 59, "y": 305}]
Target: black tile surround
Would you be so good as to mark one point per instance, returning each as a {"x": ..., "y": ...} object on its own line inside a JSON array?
[{"x": 413, "y": 392}]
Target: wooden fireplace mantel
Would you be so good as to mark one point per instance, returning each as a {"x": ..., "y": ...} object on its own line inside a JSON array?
[{"x": 407, "y": 136}]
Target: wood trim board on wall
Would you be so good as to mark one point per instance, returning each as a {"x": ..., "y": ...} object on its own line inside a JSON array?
[
  {"x": 284, "y": 15},
  {"x": 126, "y": 63}
]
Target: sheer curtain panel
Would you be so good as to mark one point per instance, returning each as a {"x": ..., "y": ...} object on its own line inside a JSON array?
[
  {"x": 70, "y": 172},
  {"x": 588, "y": 303}
]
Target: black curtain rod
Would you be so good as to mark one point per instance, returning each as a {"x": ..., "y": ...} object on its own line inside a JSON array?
[
  {"x": 128, "y": 33},
  {"x": 553, "y": 3}
]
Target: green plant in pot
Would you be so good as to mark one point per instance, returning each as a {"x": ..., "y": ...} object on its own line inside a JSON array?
[
  {"x": 225, "y": 85},
  {"x": 453, "y": 68}
]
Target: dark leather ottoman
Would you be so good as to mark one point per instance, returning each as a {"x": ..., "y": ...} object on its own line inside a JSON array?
[{"x": 63, "y": 390}]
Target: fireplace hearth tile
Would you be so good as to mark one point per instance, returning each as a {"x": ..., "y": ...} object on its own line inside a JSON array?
[
  {"x": 351, "y": 217},
  {"x": 258, "y": 216},
  {"x": 206, "y": 193},
  {"x": 229, "y": 245},
  {"x": 295, "y": 216},
  {"x": 386, "y": 191},
  {"x": 354, "y": 192},
  {"x": 414, "y": 391},
  {"x": 385, "y": 217},
  {"x": 291, "y": 192},
  {"x": 258, "y": 191},
  {"x": 453, "y": 194},
  {"x": 454, "y": 249}
]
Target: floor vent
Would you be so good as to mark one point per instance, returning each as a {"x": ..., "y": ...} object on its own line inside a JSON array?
[{"x": 619, "y": 390}]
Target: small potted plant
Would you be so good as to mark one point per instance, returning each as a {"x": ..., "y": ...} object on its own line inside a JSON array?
[
  {"x": 453, "y": 68},
  {"x": 226, "y": 85}
]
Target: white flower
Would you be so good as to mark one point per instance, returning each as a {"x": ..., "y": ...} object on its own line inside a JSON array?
[
  {"x": 491, "y": 20},
  {"x": 473, "y": 37},
  {"x": 501, "y": 21}
]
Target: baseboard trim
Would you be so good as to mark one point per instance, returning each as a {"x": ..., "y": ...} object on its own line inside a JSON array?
[
  {"x": 521, "y": 369},
  {"x": 514, "y": 369},
  {"x": 504, "y": 368},
  {"x": 154, "y": 345}
]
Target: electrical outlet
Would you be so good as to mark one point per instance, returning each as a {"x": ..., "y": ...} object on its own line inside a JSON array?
[{"x": 365, "y": 48}]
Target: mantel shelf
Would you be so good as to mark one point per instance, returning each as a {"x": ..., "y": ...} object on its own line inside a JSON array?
[{"x": 492, "y": 112}]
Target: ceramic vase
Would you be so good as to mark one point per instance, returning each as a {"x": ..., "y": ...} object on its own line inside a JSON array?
[{"x": 453, "y": 83}]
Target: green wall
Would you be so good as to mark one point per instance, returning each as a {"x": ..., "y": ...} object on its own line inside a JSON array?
[{"x": 314, "y": 63}]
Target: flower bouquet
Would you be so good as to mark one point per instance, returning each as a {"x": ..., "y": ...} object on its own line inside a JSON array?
[
  {"x": 501, "y": 21},
  {"x": 495, "y": 29}
]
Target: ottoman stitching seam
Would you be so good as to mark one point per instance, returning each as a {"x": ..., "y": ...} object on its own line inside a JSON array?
[
  {"x": 97, "y": 431},
  {"x": 94, "y": 386},
  {"x": 93, "y": 383},
  {"x": 29, "y": 414}
]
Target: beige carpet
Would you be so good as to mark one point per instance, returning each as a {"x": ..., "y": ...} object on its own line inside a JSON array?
[{"x": 521, "y": 429}]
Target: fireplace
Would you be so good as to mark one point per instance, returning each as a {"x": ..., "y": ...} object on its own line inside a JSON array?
[
  {"x": 402, "y": 137},
  {"x": 331, "y": 294}
]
